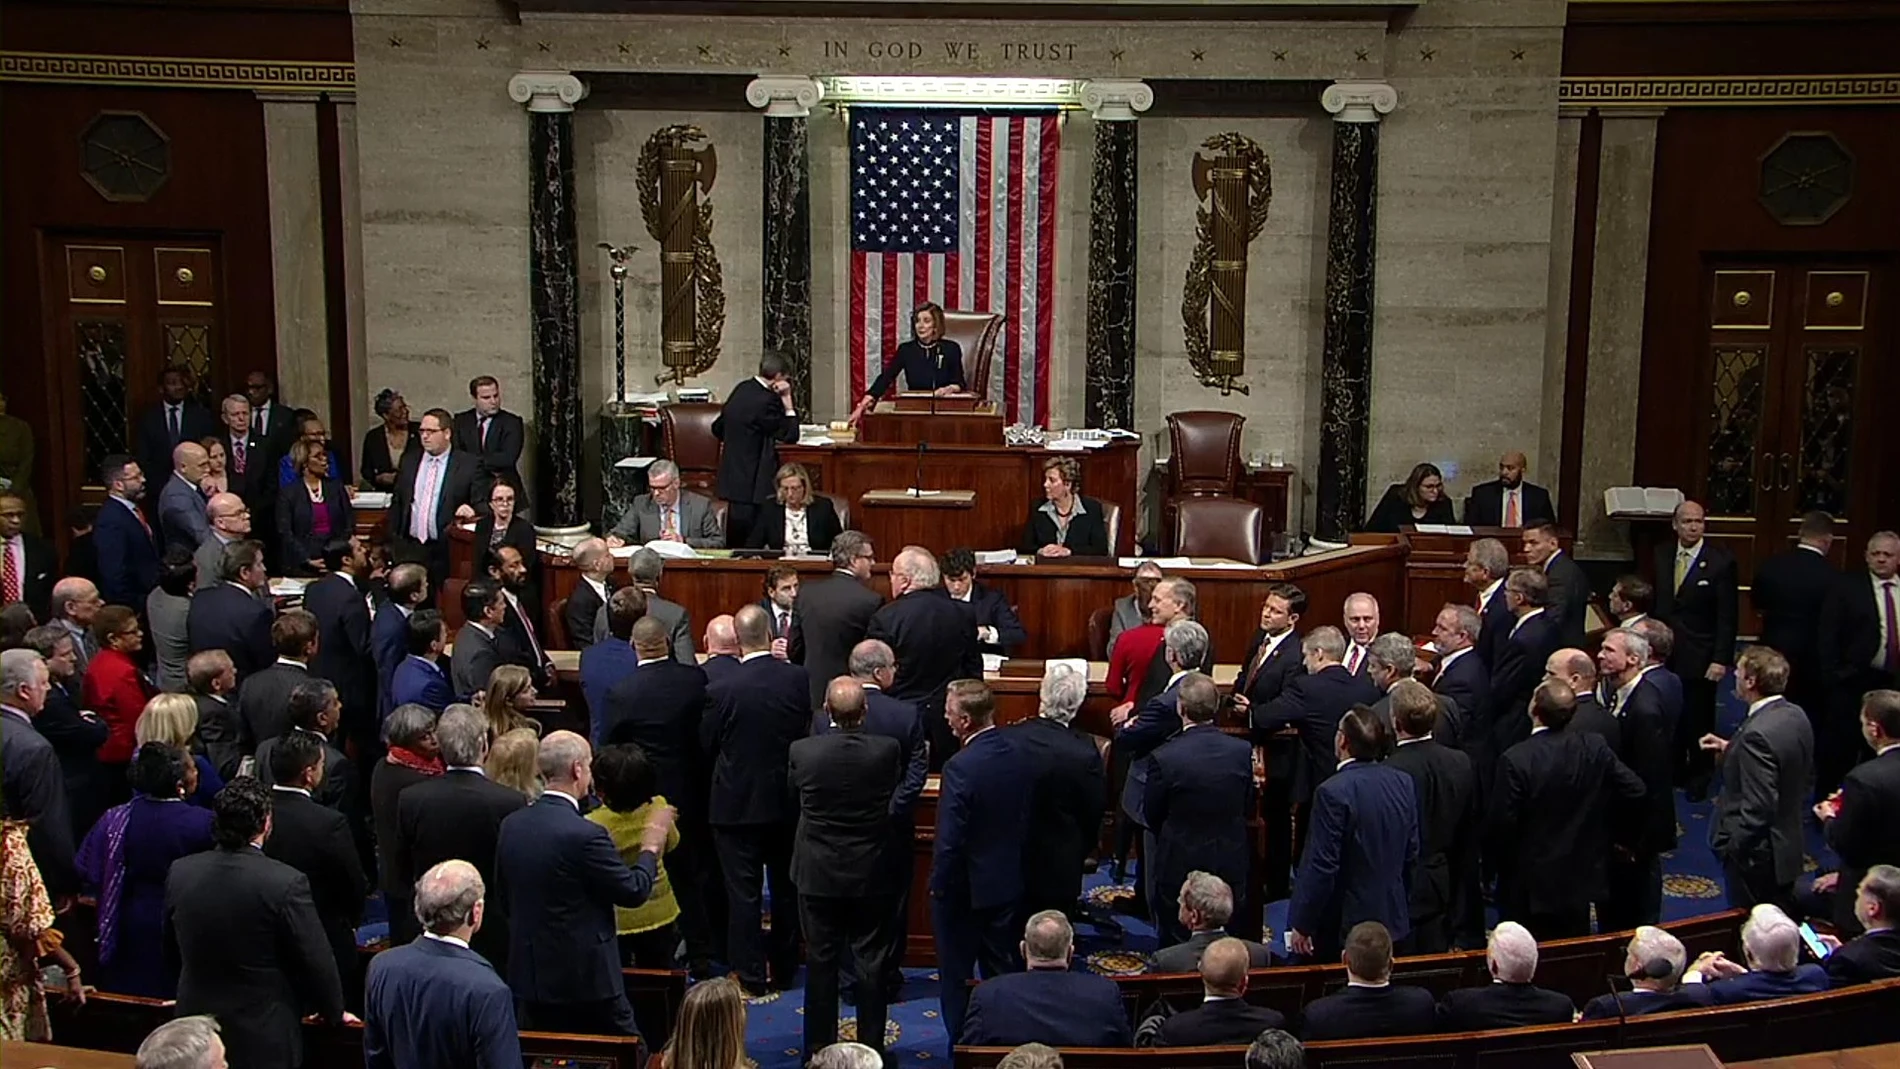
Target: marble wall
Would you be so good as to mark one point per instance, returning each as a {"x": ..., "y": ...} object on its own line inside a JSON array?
[{"x": 296, "y": 225}]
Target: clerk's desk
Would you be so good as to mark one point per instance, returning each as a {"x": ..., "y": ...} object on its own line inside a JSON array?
[{"x": 1435, "y": 570}]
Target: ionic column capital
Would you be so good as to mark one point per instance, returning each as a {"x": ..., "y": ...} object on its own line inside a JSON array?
[
  {"x": 547, "y": 91},
  {"x": 1116, "y": 99},
  {"x": 784, "y": 96},
  {"x": 1359, "y": 101}
]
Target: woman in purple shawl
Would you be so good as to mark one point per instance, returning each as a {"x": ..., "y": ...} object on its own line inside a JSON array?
[{"x": 124, "y": 861}]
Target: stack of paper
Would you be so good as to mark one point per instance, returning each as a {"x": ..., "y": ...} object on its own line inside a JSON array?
[
  {"x": 372, "y": 499},
  {"x": 1163, "y": 563},
  {"x": 996, "y": 556},
  {"x": 1443, "y": 529}
]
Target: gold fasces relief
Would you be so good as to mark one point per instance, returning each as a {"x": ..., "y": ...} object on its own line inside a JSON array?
[
  {"x": 1235, "y": 187},
  {"x": 675, "y": 174}
]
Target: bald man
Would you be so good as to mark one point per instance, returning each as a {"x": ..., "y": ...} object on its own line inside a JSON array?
[
  {"x": 1697, "y": 595},
  {"x": 722, "y": 646},
  {"x": 1509, "y": 501},
  {"x": 181, "y": 504},
  {"x": 1224, "y": 1017}
]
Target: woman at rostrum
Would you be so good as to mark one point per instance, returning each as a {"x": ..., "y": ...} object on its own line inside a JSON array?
[{"x": 930, "y": 362}]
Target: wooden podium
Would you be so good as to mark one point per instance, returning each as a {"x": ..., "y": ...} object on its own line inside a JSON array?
[
  {"x": 960, "y": 419},
  {"x": 895, "y": 518}
]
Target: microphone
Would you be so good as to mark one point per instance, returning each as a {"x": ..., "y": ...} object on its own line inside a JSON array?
[
  {"x": 1654, "y": 969},
  {"x": 917, "y": 488}
]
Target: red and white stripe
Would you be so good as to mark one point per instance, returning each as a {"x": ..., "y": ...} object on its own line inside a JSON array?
[{"x": 1005, "y": 262}]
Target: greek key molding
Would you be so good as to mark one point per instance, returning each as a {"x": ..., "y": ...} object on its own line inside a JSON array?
[
  {"x": 177, "y": 72},
  {"x": 1764, "y": 90}
]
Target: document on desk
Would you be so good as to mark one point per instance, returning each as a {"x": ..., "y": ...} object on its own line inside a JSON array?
[{"x": 1160, "y": 562}]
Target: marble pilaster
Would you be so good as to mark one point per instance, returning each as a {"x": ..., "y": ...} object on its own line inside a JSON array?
[
  {"x": 554, "y": 290},
  {"x": 296, "y": 238},
  {"x": 1346, "y": 356},
  {"x": 787, "y": 212},
  {"x": 1110, "y": 389}
]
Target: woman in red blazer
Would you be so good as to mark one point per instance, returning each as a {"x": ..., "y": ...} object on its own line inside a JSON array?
[{"x": 116, "y": 691}]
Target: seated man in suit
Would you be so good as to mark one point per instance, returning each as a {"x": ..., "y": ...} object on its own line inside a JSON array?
[
  {"x": 419, "y": 679},
  {"x": 1224, "y": 1016},
  {"x": 1509, "y": 501},
  {"x": 666, "y": 512},
  {"x": 1510, "y": 1000},
  {"x": 997, "y": 628},
  {"x": 1772, "y": 946},
  {"x": 1207, "y": 904},
  {"x": 435, "y": 1001},
  {"x": 1653, "y": 962},
  {"x": 1371, "y": 1006},
  {"x": 1048, "y": 1003},
  {"x": 1875, "y": 953}
]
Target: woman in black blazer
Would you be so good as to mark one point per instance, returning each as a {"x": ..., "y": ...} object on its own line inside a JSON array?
[
  {"x": 1066, "y": 524},
  {"x": 795, "y": 499},
  {"x": 387, "y": 446},
  {"x": 502, "y": 527},
  {"x": 1419, "y": 499},
  {"x": 311, "y": 510}
]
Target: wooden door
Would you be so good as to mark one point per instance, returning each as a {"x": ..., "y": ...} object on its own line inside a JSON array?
[
  {"x": 119, "y": 311},
  {"x": 1791, "y": 351}
]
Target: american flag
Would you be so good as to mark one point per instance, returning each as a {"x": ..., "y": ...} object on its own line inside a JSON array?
[{"x": 959, "y": 209}]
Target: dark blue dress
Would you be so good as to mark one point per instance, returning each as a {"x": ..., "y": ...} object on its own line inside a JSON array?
[
  {"x": 923, "y": 369},
  {"x": 158, "y": 833}
]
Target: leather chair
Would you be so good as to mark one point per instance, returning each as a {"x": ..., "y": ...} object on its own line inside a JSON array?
[
  {"x": 976, "y": 334},
  {"x": 687, "y": 436},
  {"x": 842, "y": 507},
  {"x": 557, "y": 626},
  {"x": 1112, "y": 519},
  {"x": 1220, "y": 527},
  {"x": 449, "y": 603},
  {"x": 1098, "y": 633},
  {"x": 1203, "y": 458}
]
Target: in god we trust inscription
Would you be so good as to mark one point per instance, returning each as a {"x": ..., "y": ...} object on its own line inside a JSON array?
[{"x": 954, "y": 51}]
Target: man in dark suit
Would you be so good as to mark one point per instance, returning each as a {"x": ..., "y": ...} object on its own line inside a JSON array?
[
  {"x": 780, "y": 605},
  {"x": 30, "y": 565},
  {"x": 263, "y": 697},
  {"x": 177, "y": 417},
  {"x": 1511, "y": 999},
  {"x": 1314, "y": 703},
  {"x": 1362, "y": 846},
  {"x": 420, "y": 678},
  {"x": 756, "y": 713},
  {"x": 1048, "y": 1003},
  {"x": 271, "y": 419},
  {"x": 456, "y": 815},
  {"x": 1642, "y": 829},
  {"x": 998, "y": 630},
  {"x": 1487, "y": 564},
  {"x": 123, "y": 537},
  {"x": 407, "y": 588},
  {"x": 558, "y": 877},
  {"x": 315, "y": 840},
  {"x": 1391, "y": 660},
  {"x": 1199, "y": 796},
  {"x": 1360, "y": 613},
  {"x": 1574, "y": 668},
  {"x": 245, "y": 932},
  {"x": 844, "y": 781},
  {"x": 934, "y": 639},
  {"x": 1771, "y": 945},
  {"x": 435, "y": 1001},
  {"x": 221, "y": 729},
  {"x": 521, "y": 629},
  {"x": 1273, "y": 657},
  {"x": 35, "y": 786},
  {"x": 1464, "y": 678},
  {"x": 1860, "y": 639},
  {"x": 1207, "y": 904},
  {"x": 181, "y": 500},
  {"x": 230, "y": 521},
  {"x": 606, "y": 663},
  {"x": 1569, "y": 587},
  {"x": 314, "y": 710},
  {"x": 1549, "y": 823},
  {"x": 1697, "y": 596},
  {"x": 976, "y": 872},
  {"x": 1509, "y": 501},
  {"x": 595, "y": 563},
  {"x": 645, "y": 568},
  {"x": 250, "y": 465},
  {"x": 758, "y": 415},
  {"x": 722, "y": 649},
  {"x": 481, "y": 645},
  {"x": 1224, "y": 1017},
  {"x": 230, "y": 617},
  {"x": 1138, "y": 731},
  {"x": 1653, "y": 963},
  {"x": 75, "y": 735},
  {"x": 1371, "y": 1006},
  {"x": 491, "y": 434},
  {"x": 1790, "y": 590},
  {"x": 341, "y": 605},
  {"x": 1863, "y": 824},
  {"x": 436, "y": 489},
  {"x": 1445, "y": 881},
  {"x": 1535, "y": 635},
  {"x": 834, "y": 613},
  {"x": 1767, "y": 773},
  {"x": 1875, "y": 953},
  {"x": 1065, "y": 820}
]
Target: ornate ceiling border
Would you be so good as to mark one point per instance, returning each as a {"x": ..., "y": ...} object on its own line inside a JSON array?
[
  {"x": 177, "y": 72},
  {"x": 1729, "y": 90}
]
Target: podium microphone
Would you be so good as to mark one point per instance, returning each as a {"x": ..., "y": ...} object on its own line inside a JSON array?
[{"x": 917, "y": 488}]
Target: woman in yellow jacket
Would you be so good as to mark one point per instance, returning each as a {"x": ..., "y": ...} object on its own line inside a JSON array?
[{"x": 649, "y": 932}]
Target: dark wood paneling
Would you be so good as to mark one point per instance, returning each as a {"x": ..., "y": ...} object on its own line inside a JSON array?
[
  {"x": 307, "y": 30},
  {"x": 1734, "y": 38}
]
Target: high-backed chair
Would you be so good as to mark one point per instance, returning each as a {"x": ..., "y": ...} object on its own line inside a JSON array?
[
  {"x": 975, "y": 333},
  {"x": 1098, "y": 632},
  {"x": 1220, "y": 527},
  {"x": 687, "y": 436},
  {"x": 558, "y": 638},
  {"x": 842, "y": 506},
  {"x": 1203, "y": 458},
  {"x": 1112, "y": 520},
  {"x": 449, "y": 602}
]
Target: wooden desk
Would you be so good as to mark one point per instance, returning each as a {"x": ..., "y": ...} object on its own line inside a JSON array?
[
  {"x": 1008, "y": 480},
  {"x": 1435, "y": 571},
  {"x": 895, "y": 519},
  {"x": 903, "y": 424},
  {"x": 1880, "y": 1057},
  {"x": 17, "y": 1055}
]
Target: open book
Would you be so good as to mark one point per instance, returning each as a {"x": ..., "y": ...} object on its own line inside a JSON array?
[{"x": 1641, "y": 500}]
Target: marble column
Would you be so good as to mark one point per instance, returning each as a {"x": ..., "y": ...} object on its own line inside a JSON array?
[
  {"x": 1346, "y": 359},
  {"x": 1110, "y": 394},
  {"x": 787, "y": 212},
  {"x": 296, "y": 238},
  {"x": 554, "y": 281}
]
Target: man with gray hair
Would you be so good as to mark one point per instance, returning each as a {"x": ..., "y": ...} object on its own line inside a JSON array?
[
  {"x": 1047, "y": 1003},
  {"x": 1390, "y": 659},
  {"x": 1771, "y": 943},
  {"x": 1653, "y": 963},
  {"x": 1174, "y": 598},
  {"x": 1152, "y": 721},
  {"x": 1642, "y": 829},
  {"x": 1487, "y": 562},
  {"x": 1065, "y": 816},
  {"x": 34, "y": 784},
  {"x": 1207, "y": 904},
  {"x": 434, "y": 1001},
  {"x": 1510, "y": 1000},
  {"x": 934, "y": 639},
  {"x": 1313, "y": 703},
  {"x": 1199, "y": 793},
  {"x": 835, "y": 611},
  {"x": 668, "y": 513},
  {"x": 645, "y": 568},
  {"x": 1463, "y": 676},
  {"x": 846, "y": 1056},
  {"x": 1518, "y": 668},
  {"x": 1276, "y": 1048},
  {"x": 75, "y": 602},
  {"x": 183, "y": 1043},
  {"x": 1131, "y": 609}
]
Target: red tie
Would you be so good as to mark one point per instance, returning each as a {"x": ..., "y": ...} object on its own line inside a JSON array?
[
  {"x": 10, "y": 574},
  {"x": 539, "y": 657},
  {"x": 1259, "y": 660},
  {"x": 1352, "y": 660},
  {"x": 143, "y": 522},
  {"x": 1893, "y": 626},
  {"x": 1510, "y": 508}
]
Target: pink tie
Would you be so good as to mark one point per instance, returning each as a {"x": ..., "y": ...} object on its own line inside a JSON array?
[
  {"x": 1510, "y": 508},
  {"x": 422, "y": 510}
]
